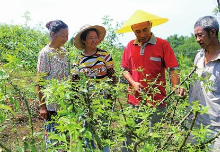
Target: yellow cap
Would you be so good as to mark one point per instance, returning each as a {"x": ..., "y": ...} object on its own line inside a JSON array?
[{"x": 138, "y": 17}]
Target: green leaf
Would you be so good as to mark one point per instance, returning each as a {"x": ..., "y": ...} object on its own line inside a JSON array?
[
  {"x": 3, "y": 74},
  {"x": 79, "y": 146},
  {"x": 2, "y": 106}
]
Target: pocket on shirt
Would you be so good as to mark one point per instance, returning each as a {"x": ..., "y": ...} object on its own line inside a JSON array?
[
  {"x": 156, "y": 65},
  {"x": 157, "y": 59}
]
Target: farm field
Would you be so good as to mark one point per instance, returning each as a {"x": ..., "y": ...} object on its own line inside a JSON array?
[{"x": 21, "y": 128}]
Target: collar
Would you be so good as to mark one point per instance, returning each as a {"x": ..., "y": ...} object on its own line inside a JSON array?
[
  {"x": 151, "y": 41},
  {"x": 203, "y": 53}
]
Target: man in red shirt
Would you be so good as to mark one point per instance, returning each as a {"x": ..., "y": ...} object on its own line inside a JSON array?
[
  {"x": 146, "y": 58},
  {"x": 144, "y": 62}
]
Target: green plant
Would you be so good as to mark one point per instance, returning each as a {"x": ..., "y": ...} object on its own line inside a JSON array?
[{"x": 109, "y": 119}]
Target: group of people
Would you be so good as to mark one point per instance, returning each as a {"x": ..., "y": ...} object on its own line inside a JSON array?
[{"x": 144, "y": 58}]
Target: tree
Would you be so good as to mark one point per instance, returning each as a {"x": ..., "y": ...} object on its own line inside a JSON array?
[{"x": 217, "y": 9}]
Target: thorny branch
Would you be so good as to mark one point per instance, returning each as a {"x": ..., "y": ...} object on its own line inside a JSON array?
[
  {"x": 168, "y": 138},
  {"x": 202, "y": 145},
  {"x": 172, "y": 92},
  {"x": 189, "y": 131},
  {"x": 167, "y": 97}
]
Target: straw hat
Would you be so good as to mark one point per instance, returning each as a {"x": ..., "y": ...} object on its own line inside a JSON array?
[
  {"x": 138, "y": 17},
  {"x": 100, "y": 31}
]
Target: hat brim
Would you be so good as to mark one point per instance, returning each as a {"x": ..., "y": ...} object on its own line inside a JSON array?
[
  {"x": 100, "y": 31},
  {"x": 139, "y": 17}
]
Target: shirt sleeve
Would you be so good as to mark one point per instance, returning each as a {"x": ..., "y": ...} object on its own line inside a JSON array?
[{"x": 169, "y": 57}]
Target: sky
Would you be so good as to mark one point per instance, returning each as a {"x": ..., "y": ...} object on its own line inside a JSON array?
[{"x": 182, "y": 14}]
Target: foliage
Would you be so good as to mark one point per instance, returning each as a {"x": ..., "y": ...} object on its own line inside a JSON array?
[
  {"x": 111, "y": 38},
  {"x": 183, "y": 45},
  {"x": 100, "y": 105},
  {"x": 20, "y": 45}
]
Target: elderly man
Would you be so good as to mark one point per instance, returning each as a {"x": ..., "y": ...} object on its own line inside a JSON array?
[{"x": 208, "y": 62}]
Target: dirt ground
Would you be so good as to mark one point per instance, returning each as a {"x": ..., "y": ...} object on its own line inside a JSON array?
[{"x": 17, "y": 129}]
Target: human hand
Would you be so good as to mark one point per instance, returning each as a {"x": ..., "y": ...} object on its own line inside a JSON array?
[
  {"x": 181, "y": 92},
  {"x": 138, "y": 87},
  {"x": 43, "y": 112}
]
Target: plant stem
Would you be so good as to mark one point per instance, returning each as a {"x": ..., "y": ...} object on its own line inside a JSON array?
[
  {"x": 202, "y": 145},
  {"x": 136, "y": 144},
  {"x": 26, "y": 104},
  {"x": 168, "y": 138},
  {"x": 71, "y": 140},
  {"x": 172, "y": 92},
  {"x": 149, "y": 89},
  {"x": 139, "y": 142},
  {"x": 173, "y": 111},
  {"x": 90, "y": 115},
  {"x": 122, "y": 109},
  {"x": 189, "y": 131}
]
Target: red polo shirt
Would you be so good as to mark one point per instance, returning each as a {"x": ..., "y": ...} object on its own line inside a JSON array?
[{"x": 146, "y": 65}]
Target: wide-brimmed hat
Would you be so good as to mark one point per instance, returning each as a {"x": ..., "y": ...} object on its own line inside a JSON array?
[
  {"x": 138, "y": 17},
  {"x": 77, "y": 40}
]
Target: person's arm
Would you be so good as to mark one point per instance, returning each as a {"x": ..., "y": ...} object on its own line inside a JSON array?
[
  {"x": 136, "y": 85},
  {"x": 43, "y": 108},
  {"x": 174, "y": 74}
]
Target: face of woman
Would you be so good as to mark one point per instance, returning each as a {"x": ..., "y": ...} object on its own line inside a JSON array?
[
  {"x": 61, "y": 37},
  {"x": 92, "y": 40}
]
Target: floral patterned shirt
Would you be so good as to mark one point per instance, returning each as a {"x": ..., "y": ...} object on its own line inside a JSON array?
[{"x": 54, "y": 65}]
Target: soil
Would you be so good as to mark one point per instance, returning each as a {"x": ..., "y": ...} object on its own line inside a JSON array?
[{"x": 17, "y": 129}]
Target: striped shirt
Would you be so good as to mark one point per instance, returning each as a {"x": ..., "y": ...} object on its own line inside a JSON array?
[{"x": 99, "y": 66}]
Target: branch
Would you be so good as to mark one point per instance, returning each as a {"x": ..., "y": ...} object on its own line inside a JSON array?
[
  {"x": 168, "y": 138},
  {"x": 137, "y": 143},
  {"x": 151, "y": 88},
  {"x": 172, "y": 92},
  {"x": 90, "y": 115},
  {"x": 202, "y": 145},
  {"x": 173, "y": 111},
  {"x": 140, "y": 141},
  {"x": 26, "y": 104},
  {"x": 189, "y": 131}
]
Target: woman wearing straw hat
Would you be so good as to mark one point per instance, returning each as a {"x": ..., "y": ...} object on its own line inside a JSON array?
[
  {"x": 52, "y": 64},
  {"x": 93, "y": 62}
]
